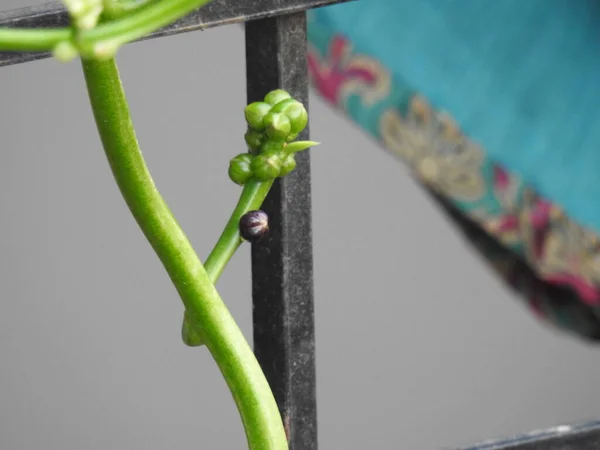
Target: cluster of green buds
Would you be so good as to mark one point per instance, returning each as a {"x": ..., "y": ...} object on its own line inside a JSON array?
[{"x": 273, "y": 126}]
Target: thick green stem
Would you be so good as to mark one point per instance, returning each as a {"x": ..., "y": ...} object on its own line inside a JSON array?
[
  {"x": 225, "y": 341},
  {"x": 139, "y": 23}
]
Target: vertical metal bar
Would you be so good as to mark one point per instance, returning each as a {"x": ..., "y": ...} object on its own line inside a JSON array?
[{"x": 282, "y": 271}]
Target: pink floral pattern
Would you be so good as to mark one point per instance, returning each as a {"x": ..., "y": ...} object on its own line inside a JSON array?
[
  {"x": 330, "y": 74},
  {"x": 558, "y": 251}
]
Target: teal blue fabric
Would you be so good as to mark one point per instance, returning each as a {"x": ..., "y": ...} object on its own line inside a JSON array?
[{"x": 521, "y": 77}]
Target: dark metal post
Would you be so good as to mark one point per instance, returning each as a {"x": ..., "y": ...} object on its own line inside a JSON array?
[{"x": 282, "y": 271}]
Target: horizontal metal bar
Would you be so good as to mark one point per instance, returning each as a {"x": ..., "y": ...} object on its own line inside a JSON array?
[
  {"x": 214, "y": 14},
  {"x": 569, "y": 437}
]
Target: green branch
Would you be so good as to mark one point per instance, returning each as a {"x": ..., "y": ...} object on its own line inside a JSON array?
[
  {"x": 252, "y": 197},
  {"x": 272, "y": 127},
  {"x": 139, "y": 23},
  {"x": 225, "y": 341},
  {"x": 118, "y": 8},
  {"x": 32, "y": 40}
]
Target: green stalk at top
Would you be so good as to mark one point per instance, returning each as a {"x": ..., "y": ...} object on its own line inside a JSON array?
[
  {"x": 135, "y": 25},
  {"x": 225, "y": 341},
  {"x": 118, "y": 8},
  {"x": 140, "y": 22}
]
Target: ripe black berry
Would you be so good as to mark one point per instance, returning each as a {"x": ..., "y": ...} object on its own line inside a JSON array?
[{"x": 254, "y": 225}]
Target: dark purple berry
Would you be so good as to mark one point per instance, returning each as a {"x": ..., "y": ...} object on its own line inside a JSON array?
[{"x": 254, "y": 225}]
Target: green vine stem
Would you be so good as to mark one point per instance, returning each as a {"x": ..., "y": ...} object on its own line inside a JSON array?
[
  {"x": 140, "y": 22},
  {"x": 252, "y": 197},
  {"x": 118, "y": 8},
  {"x": 32, "y": 40},
  {"x": 225, "y": 341},
  {"x": 243, "y": 167}
]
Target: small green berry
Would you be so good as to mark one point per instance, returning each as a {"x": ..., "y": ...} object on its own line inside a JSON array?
[
  {"x": 274, "y": 97},
  {"x": 284, "y": 104},
  {"x": 291, "y": 137},
  {"x": 295, "y": 111},
  {"x": 277, "y": 126},
  {"x": 240, "y": 168},
  {"x": 255, "y": 114},
  {"x": 254, "y": 139},
  {"x": 266, "y": 167},
  {"x": 288, "y": 165},
  {"x": 270, "y": 146},
  {"x": 298, "y": 118}
]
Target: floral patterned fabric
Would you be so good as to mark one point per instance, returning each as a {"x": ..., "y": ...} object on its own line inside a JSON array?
[{"x": 528, "y": 240}]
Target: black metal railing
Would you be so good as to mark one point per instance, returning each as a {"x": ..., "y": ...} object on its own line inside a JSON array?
[{"x": 282, "y": 267}]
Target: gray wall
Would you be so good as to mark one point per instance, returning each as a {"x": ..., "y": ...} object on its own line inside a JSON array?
[{"x": 419, "y": 346}]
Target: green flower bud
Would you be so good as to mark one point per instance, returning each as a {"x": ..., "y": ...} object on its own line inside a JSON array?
[
  {"x": 255, "y": 114},
  {"x": 295, "y": 111},
  {"x": 266, "y": 167},
  {"x": 277, "y": 126},
  {"x": 298, "y": 118},
  {"x": 105, "y": 50},
  {"x": 65, "y": 51},
  {"x": 274, "y": 97},
  {"x": 254, "y": 139},
  {"x": 291, "y": 137},
  {"x": 281, "y": 106},
  {"x": 76, "y": 8},
  {"x": 270, "y": 146},
  {"x": 240, "y": 168},
  {"x": 289, "y": 164},
  {"x": 85, "y": 13}
]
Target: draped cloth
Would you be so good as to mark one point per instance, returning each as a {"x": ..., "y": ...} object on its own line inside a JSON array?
[{"x": 494, "y": 108}]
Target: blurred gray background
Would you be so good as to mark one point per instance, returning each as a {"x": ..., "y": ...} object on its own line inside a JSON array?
[{"x": 419, "y": 346}]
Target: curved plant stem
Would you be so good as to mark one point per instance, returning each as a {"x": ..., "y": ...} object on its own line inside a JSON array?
[
  {"x": 139, "y": 23},
  {"x": 252, "y": 197},
  {"x": 118, "y": 8},
  {"x": 250, "y": 390}
]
